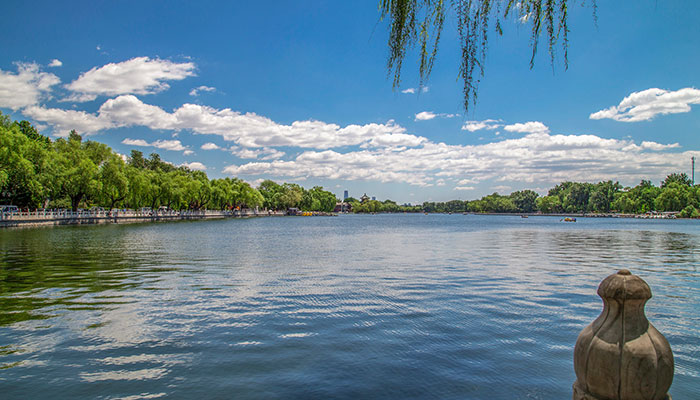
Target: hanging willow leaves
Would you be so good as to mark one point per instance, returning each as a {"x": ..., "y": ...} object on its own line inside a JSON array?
[{"x": 420, "y": 22}]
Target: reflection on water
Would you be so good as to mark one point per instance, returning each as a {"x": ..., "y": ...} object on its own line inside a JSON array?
[{"x": 389, "y": 306}]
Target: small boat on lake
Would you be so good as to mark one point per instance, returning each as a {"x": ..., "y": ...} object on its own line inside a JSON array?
[{"x": 569, "y": 219}]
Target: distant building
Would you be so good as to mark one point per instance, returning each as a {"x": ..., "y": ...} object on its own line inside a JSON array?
[
  {"x": 342, "y": 207},
  {"x": 374, "y": 198},
  {"x": 364, "y": 198},
  {"x": 345, "y": 195}
]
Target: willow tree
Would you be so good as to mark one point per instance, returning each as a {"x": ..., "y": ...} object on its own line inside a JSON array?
[{"x": 421, "y": 22}]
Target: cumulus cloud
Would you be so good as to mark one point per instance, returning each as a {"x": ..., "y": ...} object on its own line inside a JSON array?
[
  {"x": 263, "y": 154},
  {"x": 172, "y": 145},
  {"x": 140, "y": 75},
  {"x": 647, "y": 104},
  {"x": 55, "y": 63},
  {"x": 195, "y": 92},
  {"x": 536, "y": 157},
  {"x": 197, "y": 166},
  {"x": 26, "y": 87},
  {"x": 425, "y": 116},
  {"x": 210, "y": 146},
  {"x": 527, "y": 127},
  {"x": 63, "y": 121},
  {"x": 245, "y": 129},
  {"x": 658, "y": 146},
  {"x": 428, "y": 115},
  {"x": 488, "y": 124},
  {"x": 464, "y": 188}
]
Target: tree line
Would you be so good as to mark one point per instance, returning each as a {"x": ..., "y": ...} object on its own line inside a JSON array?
[
  {"x": 676, "y": 193},
  {"x": 36, "y": 172}
]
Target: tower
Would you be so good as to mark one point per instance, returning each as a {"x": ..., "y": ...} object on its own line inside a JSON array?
[
  {"x": 692, "y": 159},
  {"x": 345, "y": 195}
]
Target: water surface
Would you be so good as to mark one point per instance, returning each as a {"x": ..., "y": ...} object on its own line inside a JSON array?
[{"x": 383, "y": 306}]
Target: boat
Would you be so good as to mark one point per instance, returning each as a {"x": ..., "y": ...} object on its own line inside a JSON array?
[{"x": 569, "y": 219}]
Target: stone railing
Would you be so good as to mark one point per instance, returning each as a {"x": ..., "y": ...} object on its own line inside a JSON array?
[
  {"x": 49, "y": 217},
  {"x": 620, "y": 355}
]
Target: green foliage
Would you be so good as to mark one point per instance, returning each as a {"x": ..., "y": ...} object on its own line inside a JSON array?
[
  {"x": 549, "y": 204},
  {"x": 689, "y": 212},
  {"x": 23, "y": 166},
  {"x": 35, "y": 172},
  {"x": 420, "y": 22},
  {"x": 525, "y": 200},
  {"x": 317, "y": 199},
  {"x": 679, "y": 178}
]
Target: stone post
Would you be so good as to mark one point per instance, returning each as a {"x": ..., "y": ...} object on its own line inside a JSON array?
[{"x": 620, "y": 355}]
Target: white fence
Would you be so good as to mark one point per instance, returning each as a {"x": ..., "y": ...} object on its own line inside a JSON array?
[{"x": 48, "y": 215}]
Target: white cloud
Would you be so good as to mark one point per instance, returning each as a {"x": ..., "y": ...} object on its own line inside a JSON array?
[
  {"x": 136, "y": 142},
  {"x": 197, "y": 166},
  {"x": 464, "y": 188},
  {"x": 247, "y": 130},
  {"x": 488, "y": 124},
  {"x": 128, "y": 110},
  {"x": 645, "y": 105},
  {"x": 658, "y": 146},
  {"x": 141, "y": 75},
  {"x": 527, "y": 127},
  {"x": 502, "y": 188},
  {"x": 424, "y": 89},
  {"x": 172, "y": 145},
  {"x": 197, "y": 90},
  {"x": 395, "y": 141},
  {"x": 55, "y": 63},
  {"x": 63, "y": 121},
  {"x": 428, "y": 115},
  {"x": 536, "y": 157},
  {"x": 210, "y": 146},
  {"x": 425, "y": 116},
  {"x": 26, "y": 87},
  {"x": 263, "y": 154}
]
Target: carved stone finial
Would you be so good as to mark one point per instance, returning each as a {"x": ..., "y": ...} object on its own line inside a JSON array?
[{"x": 620, "y": 355}]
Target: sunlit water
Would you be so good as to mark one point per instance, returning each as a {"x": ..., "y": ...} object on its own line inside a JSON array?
[{"x": 383, "y": 306}]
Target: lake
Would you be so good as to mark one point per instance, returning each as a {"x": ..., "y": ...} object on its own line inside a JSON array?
[{"x": 355, "y": 306}]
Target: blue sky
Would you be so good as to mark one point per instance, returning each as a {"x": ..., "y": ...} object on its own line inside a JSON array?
[{"x": 299, "y": 92}]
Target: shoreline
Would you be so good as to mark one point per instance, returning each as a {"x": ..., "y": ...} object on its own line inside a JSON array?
[
  {"x": 38, "y": 219},
  {"x": 588, "y": 215}
]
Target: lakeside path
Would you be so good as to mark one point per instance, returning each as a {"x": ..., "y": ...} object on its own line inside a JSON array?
[{"x": 48, "y": 218}]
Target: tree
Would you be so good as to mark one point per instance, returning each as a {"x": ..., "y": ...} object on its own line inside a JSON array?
[
  {"x": 680, "y": 178},
  {"x": 603, "y": 195},
  {"x": 136, "y": 160},
  {"x": 271, "y": 192},
  {"x": 525, "y": 200},
  {"x": 77, "y": 176},
  {"x": 24, "y": 167},
  {"x": 549, "y": 204},
  {"x": 420, "y": 22},
  {"x": 114, "y": 181}
]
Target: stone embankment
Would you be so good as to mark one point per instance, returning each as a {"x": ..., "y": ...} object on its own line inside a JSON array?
[{"x": 43, "y": 218}]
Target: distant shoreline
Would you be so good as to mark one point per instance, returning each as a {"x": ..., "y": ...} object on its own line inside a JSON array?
[{"x": 588, "y": 215}]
